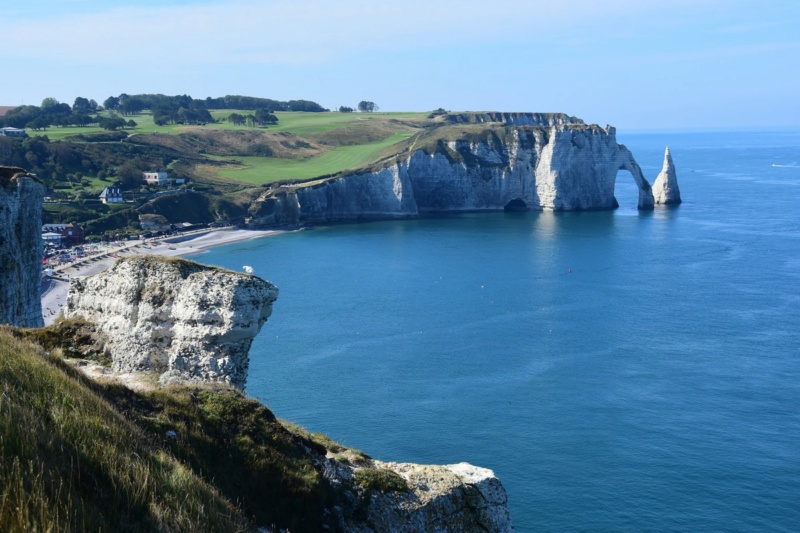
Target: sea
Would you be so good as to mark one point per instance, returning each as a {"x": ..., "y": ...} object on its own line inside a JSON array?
[{"x": 618, "y": 371}]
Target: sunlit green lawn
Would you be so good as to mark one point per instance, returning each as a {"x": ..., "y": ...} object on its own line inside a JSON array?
[{"x": 268, "y": 169}]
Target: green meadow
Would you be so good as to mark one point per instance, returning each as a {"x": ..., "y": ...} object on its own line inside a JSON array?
[
  {"x": 347, "y": 148},
  {"x": 260, "y": 170}
]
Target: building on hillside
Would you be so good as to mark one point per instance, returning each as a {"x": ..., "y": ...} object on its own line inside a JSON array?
[
  {"x": 156, "y": 178},
  {"x": 12, "y": 132},
  {"x": 112, "y": 195},
  {"x": 71, "y": 234}
]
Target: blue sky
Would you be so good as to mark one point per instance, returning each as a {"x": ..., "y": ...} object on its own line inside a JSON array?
[{"x": 636, "y": 64}]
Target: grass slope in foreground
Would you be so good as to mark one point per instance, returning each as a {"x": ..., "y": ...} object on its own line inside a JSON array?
[{"x": 76, "y": 455}]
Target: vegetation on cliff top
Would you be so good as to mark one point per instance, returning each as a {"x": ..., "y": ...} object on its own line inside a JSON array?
[{"x": 79, "y": 455}]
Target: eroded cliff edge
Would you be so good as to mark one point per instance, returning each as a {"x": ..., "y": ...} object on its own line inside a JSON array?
[
  {"x": 187, "y": 321},
  {"x": 191, "y": 324},
  {"x": 21, "y": 251},
  {"x": 471, "y": 162}
]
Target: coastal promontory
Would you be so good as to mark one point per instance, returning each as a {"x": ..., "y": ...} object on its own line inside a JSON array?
[{"x": 472, "y": 162}]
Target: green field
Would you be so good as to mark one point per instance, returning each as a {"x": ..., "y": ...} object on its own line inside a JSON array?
[
  {"x": 260, "y": 170},
  {"x": 345, "y": 140},
  {"x": 299, "y": 123}
]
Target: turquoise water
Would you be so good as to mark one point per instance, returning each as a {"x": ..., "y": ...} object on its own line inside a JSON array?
[{"x": 619, "y": 371}]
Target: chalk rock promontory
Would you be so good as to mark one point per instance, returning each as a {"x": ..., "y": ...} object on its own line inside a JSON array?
[
  {"x": 187, "y": 321},
  {"x": 21, "y": 249},
  {"x": 472, "y": 162},
  {"x": 665, "y": 188}
]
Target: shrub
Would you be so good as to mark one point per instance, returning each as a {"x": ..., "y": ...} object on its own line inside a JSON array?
[{"x": 381, "y": 480}]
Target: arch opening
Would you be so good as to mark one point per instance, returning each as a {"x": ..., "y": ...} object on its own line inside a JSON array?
[
  {"x": 626, "y": 191},
  {"x": 516, "y": 205}
]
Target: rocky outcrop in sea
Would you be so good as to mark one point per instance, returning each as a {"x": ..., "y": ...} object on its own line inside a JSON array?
[
  {"x": 21, "y": 249},
  {"x": 665, "y": 188}
]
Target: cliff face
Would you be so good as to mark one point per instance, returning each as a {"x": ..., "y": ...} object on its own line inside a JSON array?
[
  {"x": 185, "y": 320},
  {"x": 460, "y": 497},
  {"x": 21, "y": 248},
  {"x": 520, "y": 161}
]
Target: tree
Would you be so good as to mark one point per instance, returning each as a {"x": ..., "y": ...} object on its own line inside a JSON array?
[
  {"x": 263, "y": 116},
  {"x": 129, "y": 175},
  {"x": 236, "y": 119},
  {"x": 112, "y": 102},
  {"x": 48, "y": 103},
  {"x": 367, "y": 106},
  {"x": 112, "y": 123},
  {"x": 132, "y": 124},
  {"x": 82, "y": 106},
  {"x": 345, "y": 109},
  {"x": 39, "y": 123}
]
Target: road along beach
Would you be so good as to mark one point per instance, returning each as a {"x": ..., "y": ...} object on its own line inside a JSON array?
[{"x": 54, "y": 289}]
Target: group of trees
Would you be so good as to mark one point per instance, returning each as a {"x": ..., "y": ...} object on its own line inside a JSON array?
[
  {"x": 366, "y": 106},
  {"x": 262, "y": 117},
  {"x": 54, "y": 113},
  {"x": 51, "y": 113},
  {"x": 136, "y": 103},
  {"x": 251, "y": 103},
  {"x": 115, "y": 123},
  {"x": 62, "y": 164},
  {"x": 180, "y": 109}
]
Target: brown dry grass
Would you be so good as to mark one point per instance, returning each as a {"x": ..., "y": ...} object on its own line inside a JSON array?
[{"x": 198, "y": 141}]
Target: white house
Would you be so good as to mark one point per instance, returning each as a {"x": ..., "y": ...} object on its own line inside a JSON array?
[
  {"x": 156, "y": 178},
  {"x": 112, "y": 195},
  {"x": 12, "y": 132}
]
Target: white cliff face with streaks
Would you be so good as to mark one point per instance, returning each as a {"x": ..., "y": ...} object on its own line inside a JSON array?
[
  {"x": 189, "y": 322},
  {"x": 21, "y": 248},
  {"x": 665, "y": 188},
  {"x": 560, "y": 166}
]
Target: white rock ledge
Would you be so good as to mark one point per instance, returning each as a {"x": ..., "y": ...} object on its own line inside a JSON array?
[{"x": 189, "y": 322}]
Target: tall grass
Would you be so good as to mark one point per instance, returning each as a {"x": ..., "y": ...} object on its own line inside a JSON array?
[{"x": 70, "y": 462}]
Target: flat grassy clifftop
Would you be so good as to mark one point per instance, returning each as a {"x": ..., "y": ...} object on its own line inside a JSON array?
[
  {"x": 301, "y": 146},
  {"x": 78, "y": 455}
]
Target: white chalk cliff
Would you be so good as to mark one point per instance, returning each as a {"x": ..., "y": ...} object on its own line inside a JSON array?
[
  {"x": 187, "y": 321},
  {"x": 460, "y": 498},
  {"x": 21, "y": 249},
  {"x": 665, "y": 188},
  {"x": 474, "y": 162}
]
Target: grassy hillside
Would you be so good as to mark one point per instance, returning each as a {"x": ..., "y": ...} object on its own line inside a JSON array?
[
  {"x": 77, "y": 455},
  {"x": 300, "y": 147},
  {"x": 70, "y": 462}
]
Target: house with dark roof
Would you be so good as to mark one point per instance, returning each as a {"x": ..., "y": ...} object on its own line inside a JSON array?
[
  {"x": 112, "y": 195},
  {"x": 71, "y": 234}
]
